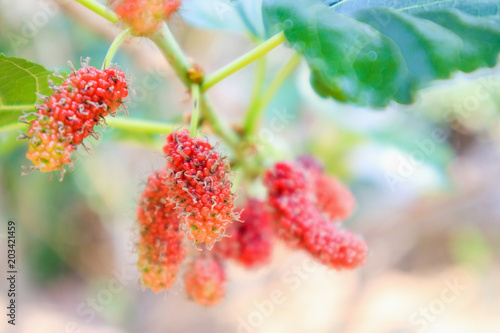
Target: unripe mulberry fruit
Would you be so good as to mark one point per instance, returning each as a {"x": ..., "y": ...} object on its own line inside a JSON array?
[
  {"x": 144, "y": 16},
  {"x": 160, "y": 245},
  {"x": 70, "y": 114},
  {"x": 250, "y": 242},
  {"x": 205, "y": 280},
  {"x": 200, "y": 187}
]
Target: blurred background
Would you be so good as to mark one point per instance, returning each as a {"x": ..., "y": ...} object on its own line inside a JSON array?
[{"x": 426, "y": 178}]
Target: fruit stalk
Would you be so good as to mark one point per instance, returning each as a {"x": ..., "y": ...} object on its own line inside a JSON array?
[
  {"x": 243, "y": 60},
  {"x": 119, "y": 39},
  {"x": 225, "y": 132},
  {"x": 195, "y": 94},
  {"x": 140, "y": 125},
  {"x": 173, "y": 54},
  {"x": 179, "y": 62},
  {"x": 260, "y": 76},
  {"x": 255, "y": 114},
  {"x": 10, "y": 127},
  {"x": 100, "y": 9}
]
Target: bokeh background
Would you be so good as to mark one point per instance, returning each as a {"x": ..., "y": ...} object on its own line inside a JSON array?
[{"x": 426, "y": 178}]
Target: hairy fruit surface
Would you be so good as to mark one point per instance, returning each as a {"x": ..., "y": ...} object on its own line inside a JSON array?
[
  {"x": 160, "y": 245},
  {"x": 291, "y": 202},
  {"x": 200, "y": 187},
  {"x": 335, "y": 248},
  {"x": 70, "y": 114},
  {"x": 305, "y": 202}
]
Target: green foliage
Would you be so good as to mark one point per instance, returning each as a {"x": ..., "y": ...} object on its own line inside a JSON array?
[
  {"x": 19, "y": 82},
  {"x": 473, "y": 7},
  {"x": 377, "y": 55}
]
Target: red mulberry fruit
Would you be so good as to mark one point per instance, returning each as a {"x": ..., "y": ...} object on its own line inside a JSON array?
[
  {"x": 160, "y": 245},
  {"x": 332, "y": 198},
  {"x": 250, "y": 243},
  {"x": 292, "y": 202},
  {"x": 286, "y": 178},
  {"x": 200, "y": 187},
  {"x": 67, "y": 117},
  {"x": 144, "y": 16},
  {"x": 335, "y": 248},
  {"x": 304, "y": 202},
  {"x": 206, "y": 280}
]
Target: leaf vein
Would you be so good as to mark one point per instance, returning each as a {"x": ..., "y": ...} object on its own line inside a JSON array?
[
  {"x": 37, "y": 82},
  {"x": 423, "y": 5}
]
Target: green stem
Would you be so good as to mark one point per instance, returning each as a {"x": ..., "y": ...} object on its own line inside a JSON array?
[
  {"x": 255, "y": 114},
  {"x": 179, "y": 62},
  {"x": 195, "y": 115},
  {"x": 243, "y": 61},
  {"x": 260, "y": 75},
  {"x": 11, "y": 127},
  {"x": 139, "y": 125},
  {"x": 163, "y": 39},
  {"x": 16, "y": 107},
  {"x": 128, "y": 124},
  {"x": 100, "y": 9},
  {"x": 218, "y": 125},
  {"x": 173, "y": 53},
  {"x": 114, "y": 47}
]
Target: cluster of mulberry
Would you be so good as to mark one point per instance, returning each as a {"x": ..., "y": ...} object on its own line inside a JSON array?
[
  {"x": 191, "y": 197},
  {"x": 161, "y": 251},
  {"x": 144, "y": 17},
  {"x": 192, "y": 194},
  {"x": 305, "y": 202},
  {"x": 70, "y": 114}
]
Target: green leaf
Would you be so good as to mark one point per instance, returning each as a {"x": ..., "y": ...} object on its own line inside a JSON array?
[
  {"x": 20, "y": 79},
  {"x": 473, "y": 7},
  {"x": 376, "y": 55}
]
